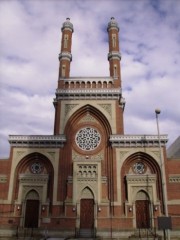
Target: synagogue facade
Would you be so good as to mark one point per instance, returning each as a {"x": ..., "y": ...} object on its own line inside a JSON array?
[{"x": 89, "y": 178}]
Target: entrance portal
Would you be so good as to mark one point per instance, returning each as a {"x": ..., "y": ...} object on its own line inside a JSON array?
[
  {"x": 142, "y": 214},
  {"x": 31, "y": 214},
  {"x": 87, "y": 214},
  {"x": 32, "y": 210}
]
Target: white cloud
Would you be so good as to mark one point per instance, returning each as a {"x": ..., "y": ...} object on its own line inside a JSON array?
[{"x": 30, "y": 37}]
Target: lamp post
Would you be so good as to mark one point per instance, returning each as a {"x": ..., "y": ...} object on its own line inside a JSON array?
[{"x": 163, "y": 176}]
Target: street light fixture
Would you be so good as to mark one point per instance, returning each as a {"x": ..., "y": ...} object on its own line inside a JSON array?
[
  {"x": 157, "y": 111},
  {"x": 163, "y": 176}
]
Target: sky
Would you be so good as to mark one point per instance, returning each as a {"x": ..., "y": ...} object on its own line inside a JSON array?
[{"x": 30, "y": 40}]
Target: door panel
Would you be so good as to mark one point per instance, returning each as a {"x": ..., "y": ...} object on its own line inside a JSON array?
[
  {"x": 87, "y": 213},
  {"x": 142, "y": 214},
  {"x": 32, "y": 214}
]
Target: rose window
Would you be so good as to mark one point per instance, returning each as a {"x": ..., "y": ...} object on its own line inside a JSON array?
[
  {"x": 36, "y": 167},
  {"x": 88, "y": 138},
  {"x": 139, "y": 168}
]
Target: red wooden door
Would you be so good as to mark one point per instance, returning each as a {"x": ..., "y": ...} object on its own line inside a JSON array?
[
  {"x": 142, "y": 214},
  {"x": 87, "y": 213},
  {"x": 31, "y": 214}
]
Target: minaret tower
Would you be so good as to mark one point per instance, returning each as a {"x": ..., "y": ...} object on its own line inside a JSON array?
[
  {"x": 65, "y": 57},
  {"x": 114, "y": 56}
]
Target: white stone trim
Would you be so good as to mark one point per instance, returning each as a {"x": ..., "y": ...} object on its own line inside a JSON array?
[
  {"x": 92, "y": 181},
  {"x": 174, "y": 178},
  {"x": 137, "y": 140},
  {"x": 93, "y": 103},
  {"x": 136, "y": 183},
  {"x": 3, "y": 178},
  {"x": 37, "y": 140},
  {"x": 30, "y": 182},
  {"x": 51, "y": 153},
  {"x": 87, "y": 79},
  {"x": 88, "y": 93},
  {"x": 65, "y": 56}
]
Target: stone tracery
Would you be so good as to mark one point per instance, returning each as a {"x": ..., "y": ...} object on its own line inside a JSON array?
[{"x": 88, "y": 138}]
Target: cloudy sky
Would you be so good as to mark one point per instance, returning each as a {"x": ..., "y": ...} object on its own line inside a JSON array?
[{"x": 30, "y": 35}]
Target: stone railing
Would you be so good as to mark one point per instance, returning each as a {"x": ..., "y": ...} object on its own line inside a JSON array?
[{"x": 88, "y": 82}]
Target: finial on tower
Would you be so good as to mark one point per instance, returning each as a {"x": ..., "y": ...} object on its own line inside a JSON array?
[
  {"x": 113, "y": 24},
  {"x": 67, "y": 25}
]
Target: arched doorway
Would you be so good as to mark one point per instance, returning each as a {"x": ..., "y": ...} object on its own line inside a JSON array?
[
  {"x": 32, "y": 210},
  {"x": 142, "y": 205},
  {"x": 87, "y": 214}
]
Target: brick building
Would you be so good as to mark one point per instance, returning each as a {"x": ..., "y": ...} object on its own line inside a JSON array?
[{"x": 88, "y": 178}]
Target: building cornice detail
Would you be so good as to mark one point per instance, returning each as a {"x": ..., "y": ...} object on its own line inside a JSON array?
[
  {"x": 81, "y": 158},
  {"x": 65, "y": 56},
  {"x": 67, "y": 25},
  {"x": 114, "y": 55},
  {"x": 113, "y": 93},
  {"x": 174, "y": 178},
  {"x": 88, "y": 79},
  {"x": 40, "y": 141},
  {"x": 3, "y": 178},
  {"x": 137, "y": 140},
  {"x": 36, "y": 178},
  {"x": 141, "y": 178}
]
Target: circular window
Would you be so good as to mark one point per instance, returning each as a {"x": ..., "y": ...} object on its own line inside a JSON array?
[
  {"x": 88, "y": 138},
  {"x": 36, "y": 167},
  {"x": 139, "y": 168}
]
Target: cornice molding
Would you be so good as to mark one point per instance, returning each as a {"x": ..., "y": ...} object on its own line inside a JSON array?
[
  {"x": 93, "y": 93},
  {"x": 114, "y": 55},
  {"x": 65, "y": 56},
  {"x": 88, "y": 79},
  {"x": 141, "y": 178},
  {"x": 137, "y": 140},
  {"x": 3, "y": 178},
  {"x": 174, "y": 178},
  {"x": 35, "y": 178},
  {"x": 39, "y": 141}
]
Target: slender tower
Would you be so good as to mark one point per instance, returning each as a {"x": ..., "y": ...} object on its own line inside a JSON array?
[
  {"x": 65, "y": 57},
  {"x": 114, "y": 56}
]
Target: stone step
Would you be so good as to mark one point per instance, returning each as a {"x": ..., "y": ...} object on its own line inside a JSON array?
[
  {"x": 85, "y": 233},
  {"x": 144, "y": 238}
]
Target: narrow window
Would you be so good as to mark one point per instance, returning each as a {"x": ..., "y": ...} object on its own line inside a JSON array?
[
  {"x": 65, "y": 41},
  {"x": 113, "y": 40},
  {"x": 115, "y": 71},
  {"x": 63, "y": 71}
]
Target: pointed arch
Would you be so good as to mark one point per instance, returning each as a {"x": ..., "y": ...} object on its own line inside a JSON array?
[
  {"x": 78, "y": 120},
  {"x": 151, "y": 164},
  {"x": 32, "y": 205},
  {"x": 24, "y": 165},
  {"x": 32, "y": 194},
  {"x": 142, "y": 195},
  {"x": 87, "y": 192},
  {"x": 92, "y": 111}
]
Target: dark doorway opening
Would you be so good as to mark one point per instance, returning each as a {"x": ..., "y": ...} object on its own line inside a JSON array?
[
  {"x": 31, "y": 214},
  {"x": 87, "y": 214}
]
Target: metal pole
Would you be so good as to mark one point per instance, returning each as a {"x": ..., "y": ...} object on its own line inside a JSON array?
[{"x": 163, "y": 175}]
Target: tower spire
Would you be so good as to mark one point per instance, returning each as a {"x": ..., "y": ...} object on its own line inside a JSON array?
[
  {"x": 65, "y": 56},
  {"x": 114, "y": 56}
]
